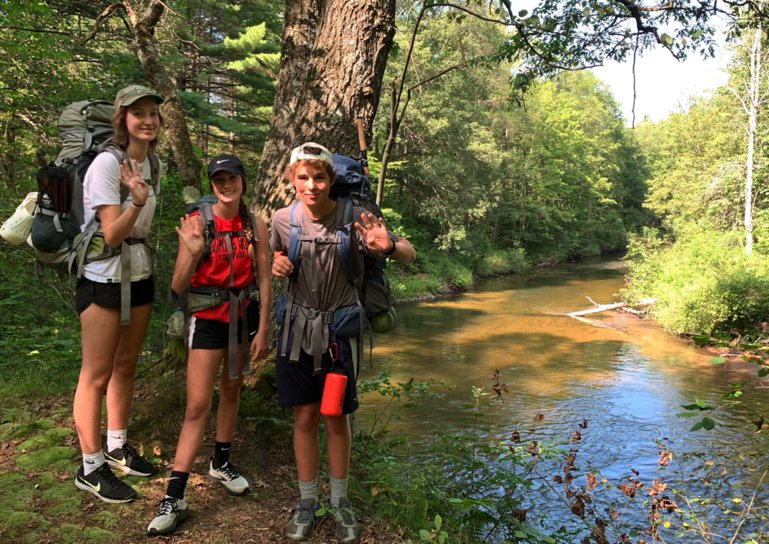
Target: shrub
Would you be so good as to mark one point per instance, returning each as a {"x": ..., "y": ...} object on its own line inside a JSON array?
[{"x": 701, "y": 283}]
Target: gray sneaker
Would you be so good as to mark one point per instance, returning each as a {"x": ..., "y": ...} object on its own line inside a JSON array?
[
  {"x": 303, "y": 520},
  {"x": 171, "y": 512},
  {"x": 347, "y": 527}
]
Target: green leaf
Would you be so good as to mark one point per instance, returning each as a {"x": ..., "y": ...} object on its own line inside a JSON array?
[
  {"x": 708, "y": 423},
  {"x": 438, "y": 521},
  {"x": 697, "y": 426},
  {"x": 717, "y": 360},
  {"x": 424, "y": 534},
  {"x": 763, "y": 372},
  {"x": 523, "y": 13}
]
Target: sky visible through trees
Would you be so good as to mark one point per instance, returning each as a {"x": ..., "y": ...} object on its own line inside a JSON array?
[{"x": 663, "y": 84}]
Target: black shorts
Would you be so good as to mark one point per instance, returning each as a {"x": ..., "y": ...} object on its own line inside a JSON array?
[
  {"x": 298, "y": 385},
  {"x": 210, "y": 334},
  {"x": 107, "y": 295}
]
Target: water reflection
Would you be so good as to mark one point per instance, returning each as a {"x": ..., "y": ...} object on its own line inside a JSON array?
[{"x": 622, "y": 374}]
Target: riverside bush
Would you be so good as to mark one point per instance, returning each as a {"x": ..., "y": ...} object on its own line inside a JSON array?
[{"x": 701, "y": 283}]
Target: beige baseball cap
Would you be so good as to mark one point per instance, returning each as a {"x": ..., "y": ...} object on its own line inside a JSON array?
[{"x": 128, "y": 95}]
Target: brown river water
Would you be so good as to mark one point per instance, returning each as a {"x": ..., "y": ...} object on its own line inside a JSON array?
[{"x": 624, "y": 375}]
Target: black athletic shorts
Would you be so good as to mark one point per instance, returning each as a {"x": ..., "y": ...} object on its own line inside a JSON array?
[
  {"x": 210, "y": 334},
  {"x": 297, "y": 385},
  {"x": 107, "y": 295}
]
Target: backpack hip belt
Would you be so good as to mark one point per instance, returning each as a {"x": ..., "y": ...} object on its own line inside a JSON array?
[
  {"x": 319, "y": 323},
  {"x": 203, "y": 298}
]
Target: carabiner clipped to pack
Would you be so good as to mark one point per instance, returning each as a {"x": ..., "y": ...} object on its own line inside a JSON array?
[{"x": 333, "y": 351}]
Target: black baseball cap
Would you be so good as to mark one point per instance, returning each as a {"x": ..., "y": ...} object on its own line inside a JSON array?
[{"x": 227, "y": 163}]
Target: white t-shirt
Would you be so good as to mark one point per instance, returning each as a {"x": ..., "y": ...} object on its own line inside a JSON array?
[{"x": 102, "y": 187}]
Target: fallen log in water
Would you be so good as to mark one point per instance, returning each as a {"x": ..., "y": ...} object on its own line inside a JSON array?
[{"x": 615, "y": 306}]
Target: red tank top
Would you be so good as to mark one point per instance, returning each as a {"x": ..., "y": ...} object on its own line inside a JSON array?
[{"x": 215, "y": 271}]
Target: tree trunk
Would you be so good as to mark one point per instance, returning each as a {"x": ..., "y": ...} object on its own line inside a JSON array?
[
  {"x": 176, "y": 132},
  {"x": 333, "y": 58},
  {"x": 754, "y": 97}
]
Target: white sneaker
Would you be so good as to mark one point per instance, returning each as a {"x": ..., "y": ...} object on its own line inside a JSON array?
[
  {"x": 229, "y": 477},
  {"x": 171, "y": 512}
]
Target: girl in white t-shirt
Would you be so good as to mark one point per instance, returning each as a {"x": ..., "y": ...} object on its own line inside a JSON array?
[{"x": 110, "y": 350}]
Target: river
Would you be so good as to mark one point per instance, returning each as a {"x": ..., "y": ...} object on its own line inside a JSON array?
[{"x": 624, "y": 379}]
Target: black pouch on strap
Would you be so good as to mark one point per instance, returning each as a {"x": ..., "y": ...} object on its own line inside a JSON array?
[{"x": 346, "y": 321}]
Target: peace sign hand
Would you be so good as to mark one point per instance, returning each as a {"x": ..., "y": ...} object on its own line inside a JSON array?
[{"x": 130, "y": 177}]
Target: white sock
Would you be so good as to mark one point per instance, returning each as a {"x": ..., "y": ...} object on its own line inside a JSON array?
[
  {"x": 338, "y": 490},
  {"x": 308, "y": 490},
  {"x": 116, "y": 438},
  {"x": 92, "y": 461}
]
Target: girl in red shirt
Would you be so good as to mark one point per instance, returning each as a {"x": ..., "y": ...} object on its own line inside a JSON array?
[{"x": 227, "y": 267}]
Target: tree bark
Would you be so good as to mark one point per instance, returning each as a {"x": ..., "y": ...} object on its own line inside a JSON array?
[
  {"x": 333, "y": 59},
  {"x": 752, "y": 107},
  {"x": 176, "y": 131}
]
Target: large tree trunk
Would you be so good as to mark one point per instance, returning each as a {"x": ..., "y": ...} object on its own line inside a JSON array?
[
  {"x": 332, "y": 64},
  {"x": 176, "y": 131}
]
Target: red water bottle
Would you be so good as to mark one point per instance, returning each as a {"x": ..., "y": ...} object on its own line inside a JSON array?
[{"x": 333, "y": 394}]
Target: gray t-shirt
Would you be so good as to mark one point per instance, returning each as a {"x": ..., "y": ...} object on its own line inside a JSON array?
[{"x": 321, "y": 283}]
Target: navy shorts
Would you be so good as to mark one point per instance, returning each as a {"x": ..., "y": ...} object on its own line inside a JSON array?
[
  {"x": 107, "y": 295},
  {"x": 298, "y": 385},
  {"x": 210, "y": 334}
]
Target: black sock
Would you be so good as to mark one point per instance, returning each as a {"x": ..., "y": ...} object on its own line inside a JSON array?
[
  {"x": 221, "y": 453},
  {"x": 176, "y": 484}
]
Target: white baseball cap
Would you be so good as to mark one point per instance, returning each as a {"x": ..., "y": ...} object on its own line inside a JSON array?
[{"x": 311, "y": 151}]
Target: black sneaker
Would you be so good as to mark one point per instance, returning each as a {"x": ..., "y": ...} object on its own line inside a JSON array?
[
  {"x": 128, "y": 460},
  {"x": 171, "y": 512},
  {"x": 104, "y": 484}
]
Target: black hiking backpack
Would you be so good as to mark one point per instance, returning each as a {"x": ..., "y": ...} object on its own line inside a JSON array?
[{"x": 85, "y": 129}]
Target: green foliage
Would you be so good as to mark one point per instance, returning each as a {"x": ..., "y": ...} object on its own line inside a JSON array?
[
  {"x": 703, "y": 283},
  {"x": 555, "y": 180}
]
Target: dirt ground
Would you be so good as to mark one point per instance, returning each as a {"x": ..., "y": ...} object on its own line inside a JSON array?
[{"x": 39, "y": 503}]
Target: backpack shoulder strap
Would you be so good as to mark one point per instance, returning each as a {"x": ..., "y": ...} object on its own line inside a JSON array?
[
  {"x": 206, "y": 211},
  {"x": 344, "y": 228},
  {"x": 120, "y": 155},
  {"x": 154, "y": 172},
  {"x": 294, "y": 237}
]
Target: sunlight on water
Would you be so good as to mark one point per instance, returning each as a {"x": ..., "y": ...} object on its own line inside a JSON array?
[{"x": 623, "y": 375}]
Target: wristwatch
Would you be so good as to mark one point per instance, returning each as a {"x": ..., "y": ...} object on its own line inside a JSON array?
[{"x": 390, "y": 251}]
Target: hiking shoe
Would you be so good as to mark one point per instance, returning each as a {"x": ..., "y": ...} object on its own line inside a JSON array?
[
  {"x": 171, "y": 512},
  {"x": 229, "y": 477},
  {"x": 104, "y": 484},
  {"x": 347, "y": 527},
  {"x": 303, "y": 520},
  {"x": 128, "y": 460}
]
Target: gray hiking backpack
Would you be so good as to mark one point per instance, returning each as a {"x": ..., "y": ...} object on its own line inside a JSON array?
[{"x": 85, "y": 129}]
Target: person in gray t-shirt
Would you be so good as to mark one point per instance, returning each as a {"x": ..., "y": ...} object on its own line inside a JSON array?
[{"x": 317, "y": 290}]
